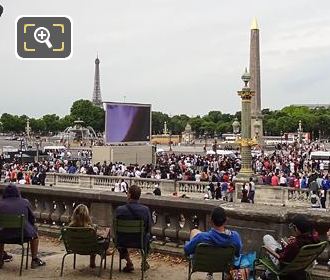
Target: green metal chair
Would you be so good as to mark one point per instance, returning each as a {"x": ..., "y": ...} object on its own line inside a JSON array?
[
  {"x": 209, "y": 258},
  {"x": 16, "y": 222},
  {"x": 302, "y": 262},
  {"x": 82, "y": 241},
  {"x": 132, "y": 231}
]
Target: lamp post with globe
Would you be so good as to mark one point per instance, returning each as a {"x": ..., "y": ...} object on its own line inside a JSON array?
[{"x": 245, "y": 141}]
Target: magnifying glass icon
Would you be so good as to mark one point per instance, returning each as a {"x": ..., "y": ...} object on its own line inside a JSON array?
[{"x": 41, "y": 35}]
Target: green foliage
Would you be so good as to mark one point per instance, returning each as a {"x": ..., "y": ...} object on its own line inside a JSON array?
[
  {"x": 275, "y": 122},
  {"x": 13, "y": 123},
  {"x": 86, "y": 111},
  {"x": 51, "y": 123},
  {"x": 158, "y": 120}
]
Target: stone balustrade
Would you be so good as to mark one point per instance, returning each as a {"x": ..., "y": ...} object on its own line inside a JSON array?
[
  {"x": 53, "y": 207},
  {"x": 266, "y": 195},
  {"x": 107, "y": 182},
  {"x": 191, "y": 186}
]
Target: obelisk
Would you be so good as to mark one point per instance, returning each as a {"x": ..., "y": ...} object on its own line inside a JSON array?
[{"x": 256, "y": 116}]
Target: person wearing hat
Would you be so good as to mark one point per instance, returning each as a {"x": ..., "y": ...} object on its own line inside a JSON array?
[
  {"x": 13, "y": 203},
  {"x": 287, "y": 249}
]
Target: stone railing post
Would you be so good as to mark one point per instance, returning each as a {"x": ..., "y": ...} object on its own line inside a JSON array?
[
  {"x": 58, "y": 212},
  {"x": 285, "y": 196},
  {"x": 158, "y": 228},
  {"x": 66, "y": 216},
  {"x": 56, "y": 175},
  {"x": 237, "y": 192},
  {"x": 47, "y": 210},
  {"x": 102, "y": 214},
  {"x": 184, "y": 231},
  {"x": 85, "y": 181},
  {"x": 50, "y": 179},
  {"x": 173, "y": 228}
]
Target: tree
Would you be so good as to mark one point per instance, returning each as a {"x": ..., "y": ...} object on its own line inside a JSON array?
[
  {"x": 86, "y": 111},
  {"x": 51, "y": 123},
  {"x": 214, "y": 116},
  {"x": 196, "y": 125},
  {"x": 178, "y": 123},
  {"x": 65, "y": 122},
  {"x": 158, "y": 120},
  {"x": 13, "y": 123},
  {"x": 38, "y": 125}
]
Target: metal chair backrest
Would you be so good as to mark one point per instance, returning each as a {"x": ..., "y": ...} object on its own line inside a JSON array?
[
  {"x": 80, "y": 240},
  {"x": 129, "y": 233},
  {"x": 209, "y": 258},
  {"x": 307, "y": 254},
  {"x": 13, "y": 222}
]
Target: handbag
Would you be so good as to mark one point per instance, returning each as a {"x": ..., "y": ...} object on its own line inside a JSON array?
[
  {"x": 243, "y": 265},
  {"x": 239, "y": 274}
]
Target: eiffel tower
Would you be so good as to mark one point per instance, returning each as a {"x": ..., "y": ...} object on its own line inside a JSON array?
[{"x": 97, "y": 99}]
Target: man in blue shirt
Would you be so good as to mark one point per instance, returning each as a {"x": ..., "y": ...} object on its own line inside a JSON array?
[{"x": 218, "y": 235}]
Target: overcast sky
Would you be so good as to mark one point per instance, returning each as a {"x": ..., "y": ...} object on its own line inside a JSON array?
[{"x": 182, "y": 56}]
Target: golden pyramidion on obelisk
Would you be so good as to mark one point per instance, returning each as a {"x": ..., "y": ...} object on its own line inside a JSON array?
[{"x": 254, "y": 24}]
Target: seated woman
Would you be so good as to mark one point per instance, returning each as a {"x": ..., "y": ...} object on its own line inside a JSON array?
[{"x": 81, "y": 218}]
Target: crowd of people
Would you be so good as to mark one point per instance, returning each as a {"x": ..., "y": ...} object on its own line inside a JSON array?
[{"x": 289, "y": 165}]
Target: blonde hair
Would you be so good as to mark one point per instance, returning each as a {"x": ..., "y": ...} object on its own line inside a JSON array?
[{"x": 80, "y": 217}]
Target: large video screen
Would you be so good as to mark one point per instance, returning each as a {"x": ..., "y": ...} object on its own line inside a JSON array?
[{"x": 125, "y": 122}]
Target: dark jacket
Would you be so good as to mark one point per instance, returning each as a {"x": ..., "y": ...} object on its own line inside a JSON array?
[
  {"x": 13, "y": 203},
  {"x": 138, "y": 211},
  {"x": 292, "y": 249}
]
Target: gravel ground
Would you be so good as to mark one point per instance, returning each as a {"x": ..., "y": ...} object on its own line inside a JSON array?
[{"x": 51, "y": 251}]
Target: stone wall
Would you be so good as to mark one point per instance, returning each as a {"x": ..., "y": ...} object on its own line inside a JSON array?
[{"x": 53, "y": 207}]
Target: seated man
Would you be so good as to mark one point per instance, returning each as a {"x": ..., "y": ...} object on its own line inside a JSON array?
[
  {"x": 287, "y": 250},
  {"x": 133, "y": 210},
  {"x": 218, "y": 235},
  {"x": 13, "y": 203}
]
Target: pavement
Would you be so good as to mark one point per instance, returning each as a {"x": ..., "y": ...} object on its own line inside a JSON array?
[{"x": 52, "y": 251}]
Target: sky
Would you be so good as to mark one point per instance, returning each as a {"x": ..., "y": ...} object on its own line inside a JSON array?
[{"x": 181, "y": 56}]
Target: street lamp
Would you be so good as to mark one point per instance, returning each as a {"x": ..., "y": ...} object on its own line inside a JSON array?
[
  {"x": 245, "y": 141},
  {"x": 21, "y": 151},
  {"x": 300, "y": 130},
  {"x": 205, "y": 141},
  {"x": 37, "y": 146},
  {"x": 215, "y": 143},
  {"x": 170, "y": 141}
]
